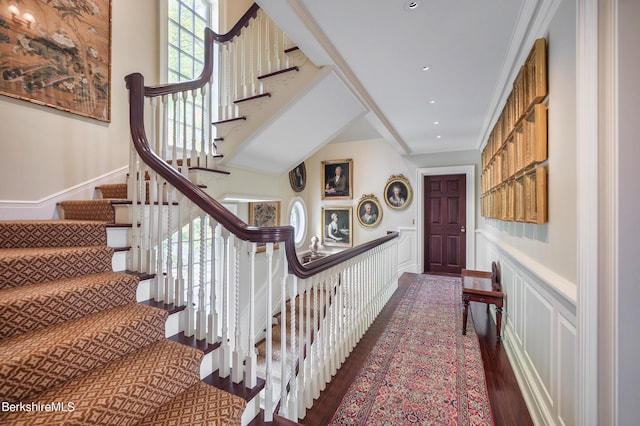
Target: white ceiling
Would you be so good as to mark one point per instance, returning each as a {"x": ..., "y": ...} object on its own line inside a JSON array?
[{"x": 379, "y": 48}]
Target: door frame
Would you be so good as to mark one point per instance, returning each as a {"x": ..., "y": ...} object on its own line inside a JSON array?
[{"x": 470, "y": 172}]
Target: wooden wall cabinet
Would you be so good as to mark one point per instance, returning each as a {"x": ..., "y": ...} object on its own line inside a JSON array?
[{"x": 513, "y": 183}]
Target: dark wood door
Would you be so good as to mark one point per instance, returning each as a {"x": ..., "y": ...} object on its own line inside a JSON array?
[{"x": 445, "y": 219}]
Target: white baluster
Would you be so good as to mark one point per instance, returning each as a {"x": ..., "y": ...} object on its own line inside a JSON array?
[
  {"x": 237, "y": 368},
  {"x": 283, "y": 336},
  {"x": 303, "y": 341},
  {"x": 185, "y": 135},
  {"x": 168, "y": 279},
  {"x": 312, "y": 353},
  {"x": 242, "y": 41},
  {"x": 252, "y": 67},
  {"x": 252, "y": 360},
  {"x": 174, "y": 148},
  {"x": 267, "y": 45},
  {"x": 225, "y": 352},
  {"x": 260, "y": 58},
  {"x": 132, "y": 194},
  {"x": 158, "y": 242},
  {"x": 194, "y": 141},
  {"x": 179, "y": 283},
  {"x": 268, "y": 389},
  {"x": 216, "y": 270},
  {"x": 293, "y": 392},
  {"x": 201, "y": 317},
  {"x": 317, "y": 339},
  {"x": 276, "y": 47},
  {"x": 189, "y": 312}
]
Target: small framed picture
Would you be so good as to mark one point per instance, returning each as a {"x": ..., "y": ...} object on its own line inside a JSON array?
[
  {"x": 337, "y": 226},
  {"x": 298, "y": 177},
  {"x": 398, "y": 193},
  {"x": 337, "y": 179},
  {"x": 369, "y": 211},
  {"x": 265, "y": 213}
]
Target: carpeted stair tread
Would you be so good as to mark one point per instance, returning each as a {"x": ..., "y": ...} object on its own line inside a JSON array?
[
  {"x": 52, "y": 233},
  {"x": 20, "y": 266},
  {"x": 123, "y": 392},
  {"x": 88, "y": 210},
  {"x": 34, "y": 306},
  {"x": 201, "y": 404},
  {"x": 116, "y": 191},
  {"x": 33, "y": 362}
]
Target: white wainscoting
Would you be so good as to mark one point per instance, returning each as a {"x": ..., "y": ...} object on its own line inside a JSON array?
[
  {"x": 407, "y": 253},
  {"x": 539, "y": 331}
]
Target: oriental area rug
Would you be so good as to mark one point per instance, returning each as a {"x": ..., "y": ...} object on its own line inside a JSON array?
[{"x": 422, "y": 370}]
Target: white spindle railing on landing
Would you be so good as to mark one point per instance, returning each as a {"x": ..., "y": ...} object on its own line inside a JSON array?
[{"x": 203, "y": 257}]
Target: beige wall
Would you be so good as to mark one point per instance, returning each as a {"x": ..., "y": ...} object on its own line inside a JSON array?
[
  {"x": 553, "y": 244},
  {"x": 46, "y": 151},
  {"x": 374, "y": 161},
  {"x": 230, "y": 12}
]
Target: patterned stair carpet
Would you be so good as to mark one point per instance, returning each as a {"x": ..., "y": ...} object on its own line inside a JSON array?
[
  {"x": 76, "y": 348},
  {"x": 428, "y": 373}
]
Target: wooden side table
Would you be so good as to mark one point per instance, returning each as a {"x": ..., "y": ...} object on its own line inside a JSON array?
[{"x": 484, "y": 287}]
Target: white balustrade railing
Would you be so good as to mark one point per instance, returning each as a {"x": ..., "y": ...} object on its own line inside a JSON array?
[{"x": 204, "y": 259}]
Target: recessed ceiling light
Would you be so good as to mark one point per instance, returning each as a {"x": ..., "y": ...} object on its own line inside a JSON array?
[
  {"x": 432, "y": 101},
  {"x": 426, "y": 68},
  {"x": 438, "y": 137},
  {"x": 412, "y": 5},
  {"x": 436, "y": 122}
]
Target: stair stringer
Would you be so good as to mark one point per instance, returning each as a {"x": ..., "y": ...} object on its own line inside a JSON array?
[
  {"x": 314, "y": 116},
  {"x": 283, "y": 89}
]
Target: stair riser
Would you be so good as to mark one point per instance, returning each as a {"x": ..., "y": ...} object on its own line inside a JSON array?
[
  {"x": 119, "y": 260},
  {"x": 118, "y": 237}
]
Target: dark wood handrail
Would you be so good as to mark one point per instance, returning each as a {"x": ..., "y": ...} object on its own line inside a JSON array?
[
  {"x": 210, "y": 37},
  {"x": 242, "y": 22},
  {"x": 137, "y": 93}
]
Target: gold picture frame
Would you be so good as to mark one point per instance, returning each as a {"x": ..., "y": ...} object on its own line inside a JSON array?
[
  {"x": 398, "y": 193},
  {"x": 369, "y": 211},
  {"x": 262, "y": 214},
  {"x": 337, "y": 226},
  {"x": 337, "y": 179},
  {"x": 56, "y": 56}
]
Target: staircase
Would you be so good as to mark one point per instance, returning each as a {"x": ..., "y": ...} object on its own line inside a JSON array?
[{"x": 73, "y": 336}]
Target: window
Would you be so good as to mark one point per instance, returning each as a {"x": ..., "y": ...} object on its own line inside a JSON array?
[
  {"x": 186, "y": 21},
  {"x": 298, "y": 219}
]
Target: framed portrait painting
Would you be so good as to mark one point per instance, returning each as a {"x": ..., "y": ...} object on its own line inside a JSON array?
[
  {"x": 398, "y": 193},
  {"x": 369, "y": 211},
  {"x": 298, "y": 177},
  {"x": 58, "y": 54},
  {"x": 337, "y": 227},
  {"x": 264, "y": 213},
  {"x": 337, "y": 179}
]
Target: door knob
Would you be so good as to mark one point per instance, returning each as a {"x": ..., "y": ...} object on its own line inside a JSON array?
[{"x": 462, "y": 229}]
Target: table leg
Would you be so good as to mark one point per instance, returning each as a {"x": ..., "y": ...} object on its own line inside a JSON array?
[
  {"x": 465, "y": 299},
  {"x": 498, "y": 321}
]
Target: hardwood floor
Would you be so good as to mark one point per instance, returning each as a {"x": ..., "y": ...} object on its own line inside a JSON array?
[{"x": 507, "y": 405}]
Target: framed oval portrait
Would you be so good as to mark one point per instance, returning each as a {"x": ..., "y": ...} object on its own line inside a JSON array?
[
  {"x": 298, "y": 177},
  {"x": 369, "y": 211},
  {"x": 398, "y": 193}
]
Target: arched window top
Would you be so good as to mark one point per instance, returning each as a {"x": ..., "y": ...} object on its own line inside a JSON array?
[{"x": 298, "y": 219}]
